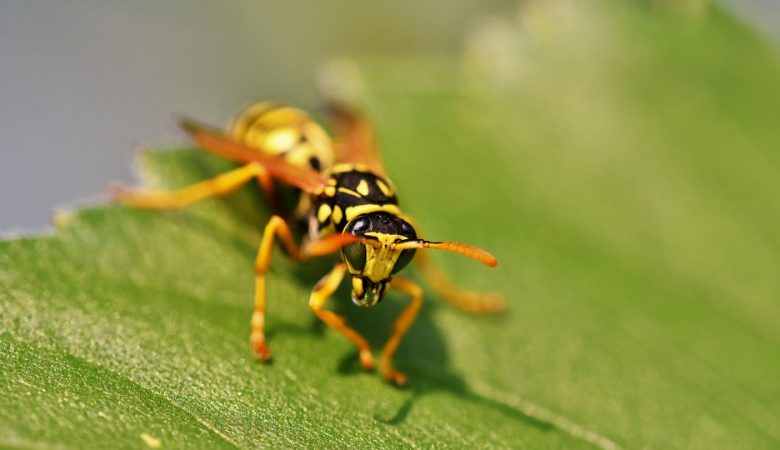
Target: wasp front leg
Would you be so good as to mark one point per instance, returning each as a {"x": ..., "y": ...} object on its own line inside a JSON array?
[
  {"x": 220, "y": 185},
  {"x": 321, "y": 293},
  {"x": 400, "y": 327},
  {"x": 277, "y": 227}
]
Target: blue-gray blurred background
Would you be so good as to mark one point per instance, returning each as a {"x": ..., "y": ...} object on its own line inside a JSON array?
[{"x": 83, "y": 83}]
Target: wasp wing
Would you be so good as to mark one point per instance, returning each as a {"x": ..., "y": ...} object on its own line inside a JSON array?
[
  {"x": 217, "y": 142},
  {"x": 355, "y": 138}
]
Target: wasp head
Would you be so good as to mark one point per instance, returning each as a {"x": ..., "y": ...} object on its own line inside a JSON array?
[{"x": 373, "y": 261}]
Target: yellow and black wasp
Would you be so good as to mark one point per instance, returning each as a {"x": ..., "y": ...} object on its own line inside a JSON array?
[{"x": 347, "y": 203}]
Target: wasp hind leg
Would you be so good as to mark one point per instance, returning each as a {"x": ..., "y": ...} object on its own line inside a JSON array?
[
  {"x": 220, "y": 185},
  {"x": 321, "y": 293}
]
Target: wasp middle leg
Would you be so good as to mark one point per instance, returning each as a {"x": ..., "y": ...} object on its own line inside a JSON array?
[{"x": 469, "y": 301}]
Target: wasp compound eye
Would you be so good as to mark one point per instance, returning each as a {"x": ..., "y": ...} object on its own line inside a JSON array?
[
  {"x": 355, "y": 255},
  {"x": 403, "y": 260}
]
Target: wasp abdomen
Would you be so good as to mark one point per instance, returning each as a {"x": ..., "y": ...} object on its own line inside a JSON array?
[{"x": 278, "y": 129}]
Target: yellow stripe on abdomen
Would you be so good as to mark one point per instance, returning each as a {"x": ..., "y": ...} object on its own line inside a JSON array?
[{"x": 277, "y": 129}]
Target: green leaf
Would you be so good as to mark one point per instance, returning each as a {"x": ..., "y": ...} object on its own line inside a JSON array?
[{"x": 621, "y": 165}]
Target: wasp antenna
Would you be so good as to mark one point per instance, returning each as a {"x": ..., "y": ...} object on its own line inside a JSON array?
[
  {"x": 370, "y": 242},
  {"x": 452, "y": 247}
]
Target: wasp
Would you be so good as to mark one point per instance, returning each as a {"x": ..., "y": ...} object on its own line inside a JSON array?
[{"x": 346, "y": 204}]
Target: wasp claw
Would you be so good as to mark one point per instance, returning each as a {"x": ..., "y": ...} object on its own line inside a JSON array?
[
  {"x": 262, "y": 351},
  {"x": 395, "y": 377}
]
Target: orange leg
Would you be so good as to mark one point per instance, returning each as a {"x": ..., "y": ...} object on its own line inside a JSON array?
[
  {"x": 220, "y": 185},
  {"x": 400, "y": 327},
  {"x": 277, "y": 227},
  {"x": 321, "y": 293},
  {"x": 469, "y": 301}
]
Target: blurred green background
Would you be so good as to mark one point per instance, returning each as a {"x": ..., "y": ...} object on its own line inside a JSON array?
[{"x": 619, "y": 158}]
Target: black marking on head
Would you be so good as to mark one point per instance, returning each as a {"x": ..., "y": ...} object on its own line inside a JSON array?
[
  {"x": 314, "y": 162},
  {"x": 380, "y": 222}
]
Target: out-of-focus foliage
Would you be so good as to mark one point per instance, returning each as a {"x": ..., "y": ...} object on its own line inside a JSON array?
[{"x": 622, "y": 164}]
